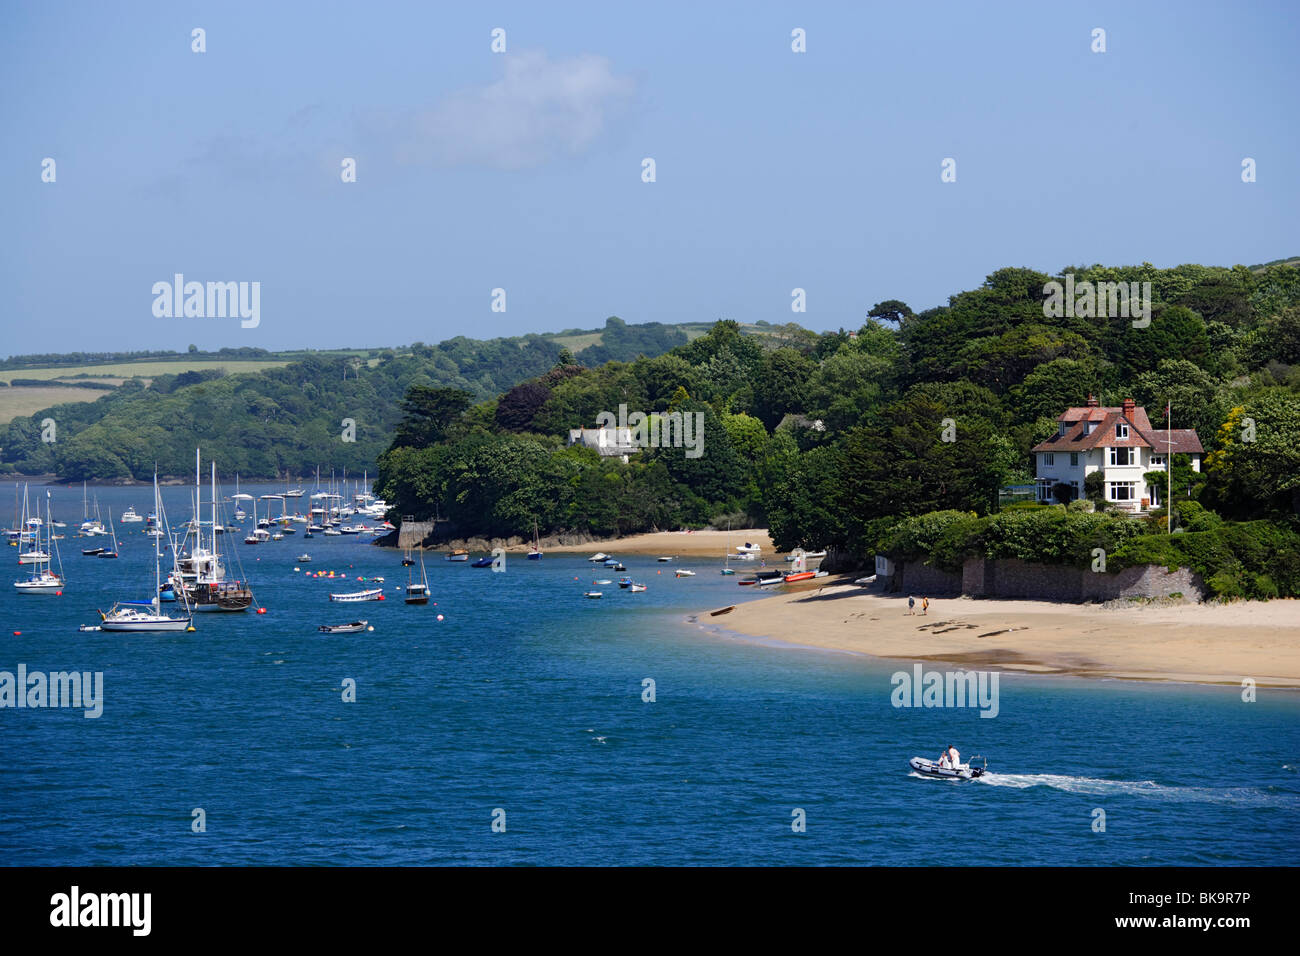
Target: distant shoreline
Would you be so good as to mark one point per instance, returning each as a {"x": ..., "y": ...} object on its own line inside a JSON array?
[
  {"x": 687, "y": 544},
  {"x": 1186, "y": 643}
]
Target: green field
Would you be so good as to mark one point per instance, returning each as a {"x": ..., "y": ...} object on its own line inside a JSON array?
[
  {"x": 26, "y": 401},
  {"x": 141, "y": 369}
]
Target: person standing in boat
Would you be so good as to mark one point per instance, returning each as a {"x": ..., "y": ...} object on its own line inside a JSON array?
[{"x": 954, "y": 758}]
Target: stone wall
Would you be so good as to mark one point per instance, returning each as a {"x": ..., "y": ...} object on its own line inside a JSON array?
[
  {"x": 913, "y": 577},
  {"x": 1011, "y": 579}
]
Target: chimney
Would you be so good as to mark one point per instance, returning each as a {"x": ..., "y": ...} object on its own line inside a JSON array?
[
  {"x": 1092, "y": 400},
  {"x": 1129, "y": 406}
]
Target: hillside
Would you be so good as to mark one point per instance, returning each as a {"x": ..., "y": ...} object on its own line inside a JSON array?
[{"x": 263, "y": 413}]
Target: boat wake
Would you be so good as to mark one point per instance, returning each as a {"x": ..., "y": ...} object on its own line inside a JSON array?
[{"x": 1241, "y": 796}]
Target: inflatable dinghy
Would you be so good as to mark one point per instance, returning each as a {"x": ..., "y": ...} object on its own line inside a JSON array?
[{"x": 931, "y": 768}]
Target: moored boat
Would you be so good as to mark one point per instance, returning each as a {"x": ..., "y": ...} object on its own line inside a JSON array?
[
  {"x": 351, "y": 628},
  {"x": 371, "y": 594}
]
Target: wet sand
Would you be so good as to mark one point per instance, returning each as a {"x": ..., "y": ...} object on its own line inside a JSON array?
[{"x": 1206, "y": 643}]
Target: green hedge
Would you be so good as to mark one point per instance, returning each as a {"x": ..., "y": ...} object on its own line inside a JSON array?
[{"x": 1255, "y": 559}]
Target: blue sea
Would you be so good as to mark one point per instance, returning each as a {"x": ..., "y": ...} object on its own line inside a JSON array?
[{"x": 524, "y": 704}]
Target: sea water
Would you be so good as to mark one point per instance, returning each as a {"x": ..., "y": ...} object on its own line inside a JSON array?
[{"x": 519, "y": 730}]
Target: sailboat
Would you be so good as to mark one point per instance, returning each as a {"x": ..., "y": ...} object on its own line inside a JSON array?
[
  {"x": 202, "y": 574},
  {"x": 30, "y": 530},
  {"x": 536, "y": 553},
  {"x": 253, "y": 536},
  {"x": 113, "y": 531},
  {"x": 239, "y": 514},
  {"x": 146, "y": 615},
  {"x": 417, "y": 592},
  {"x": 726, "y": 561},
  {"x": 43, "y": 580}
]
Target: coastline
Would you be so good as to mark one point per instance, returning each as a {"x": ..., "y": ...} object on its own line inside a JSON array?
[
  {"x": 1188, "y": 643},
  {"x": 694, "y": 544}
]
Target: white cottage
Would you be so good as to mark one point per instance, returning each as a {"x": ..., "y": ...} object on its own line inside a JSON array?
[{"x": 1120, "y": 443}]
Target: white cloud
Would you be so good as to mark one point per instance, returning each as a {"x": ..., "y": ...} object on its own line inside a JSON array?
[{"x": 539, "y": 109}]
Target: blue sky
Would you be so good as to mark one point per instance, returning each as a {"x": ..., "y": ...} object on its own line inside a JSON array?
[{"x": 522, "y": 170}]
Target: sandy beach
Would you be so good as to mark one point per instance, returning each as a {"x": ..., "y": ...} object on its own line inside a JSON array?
[
  {"x": 674, "y": 543},
  {"x": 1209, "y": 643}
]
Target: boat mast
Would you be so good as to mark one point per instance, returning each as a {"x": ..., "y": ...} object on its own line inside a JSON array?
[
  {"x": 157, "y": 574},
  {"x": 214, "y": 515}
]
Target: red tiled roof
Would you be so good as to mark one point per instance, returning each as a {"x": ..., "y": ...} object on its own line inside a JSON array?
[
  {"x": 1140, "y": 432},
  {"x": 1185, "y": 441}
]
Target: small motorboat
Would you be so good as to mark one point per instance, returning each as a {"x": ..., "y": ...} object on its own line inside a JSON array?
[
  {"x": 374, "y": 594},
  {"x": 683, "y": 573},
  {"x": 636, "y": 588},
  {"x": 599, "y": 556},
  {"x": 931, "y": 768},
  {"x": 611, "y": 562},
  {"x": 460, "y": 554},
  {"x": 591, "y": 594},
  {"x": 129, "y": 517},
  {"x": 620, "y": 566},
  {"x": 665, "y": 560},
  {"x": 304, "y": 558},
  {"x": 748, "y": 548},
  {"x": 483, "y": 562},
  {"x": 603, "y": 581},
  {"x": 728, "y": 571},
  {"x": 352, "y": 628},
  {"x": 624, "y": 582},
  {"x": 92, "y": 552}
]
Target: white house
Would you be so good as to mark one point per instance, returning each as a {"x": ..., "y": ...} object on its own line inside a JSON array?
[
  {"x": 606, "y": 441},
  {"x": 1119, "y": 442}
]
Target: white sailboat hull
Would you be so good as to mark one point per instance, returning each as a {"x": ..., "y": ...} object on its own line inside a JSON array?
[
  {"x": 41, "y": 586},
  {"x": 150, "y": 624}
]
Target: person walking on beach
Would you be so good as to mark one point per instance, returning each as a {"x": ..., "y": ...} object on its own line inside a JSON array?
[
  {"x": 925, "y": 606},
  {"x": 911, "y": 605}
]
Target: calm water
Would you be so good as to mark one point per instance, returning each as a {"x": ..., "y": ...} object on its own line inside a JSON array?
[{"x": 527, "y": 697}]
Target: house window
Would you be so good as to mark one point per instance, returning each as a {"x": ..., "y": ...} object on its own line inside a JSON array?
[
  {"x": 1088, "y": 427},
  {"x": 1157, "y": 461},
  {"x": 1122, "y": 490},
  {"x": 1121, "y": 456},
  {"x": 1074, "y": 459},
  {"x": 1044, "y": 489},
  {"x": 1049, "y": 458},
  {"x": 1121, "y": 430},
  {"x": 1062, "y": 428}
]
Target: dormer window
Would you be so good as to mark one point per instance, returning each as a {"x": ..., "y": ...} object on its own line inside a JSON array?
[
  {"x": 1121, "y": 430},
  {"x": 1088, "y": 427},
  {"x": 1063, "y": 428}
]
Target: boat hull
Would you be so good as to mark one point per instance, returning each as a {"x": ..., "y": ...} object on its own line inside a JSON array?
[
  {"x": 170, "y": 624},
  {"x": 930, "y": 768}
]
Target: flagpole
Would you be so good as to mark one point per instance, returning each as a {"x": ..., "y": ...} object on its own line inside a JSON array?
[{"x": 1169, "y": 467}]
